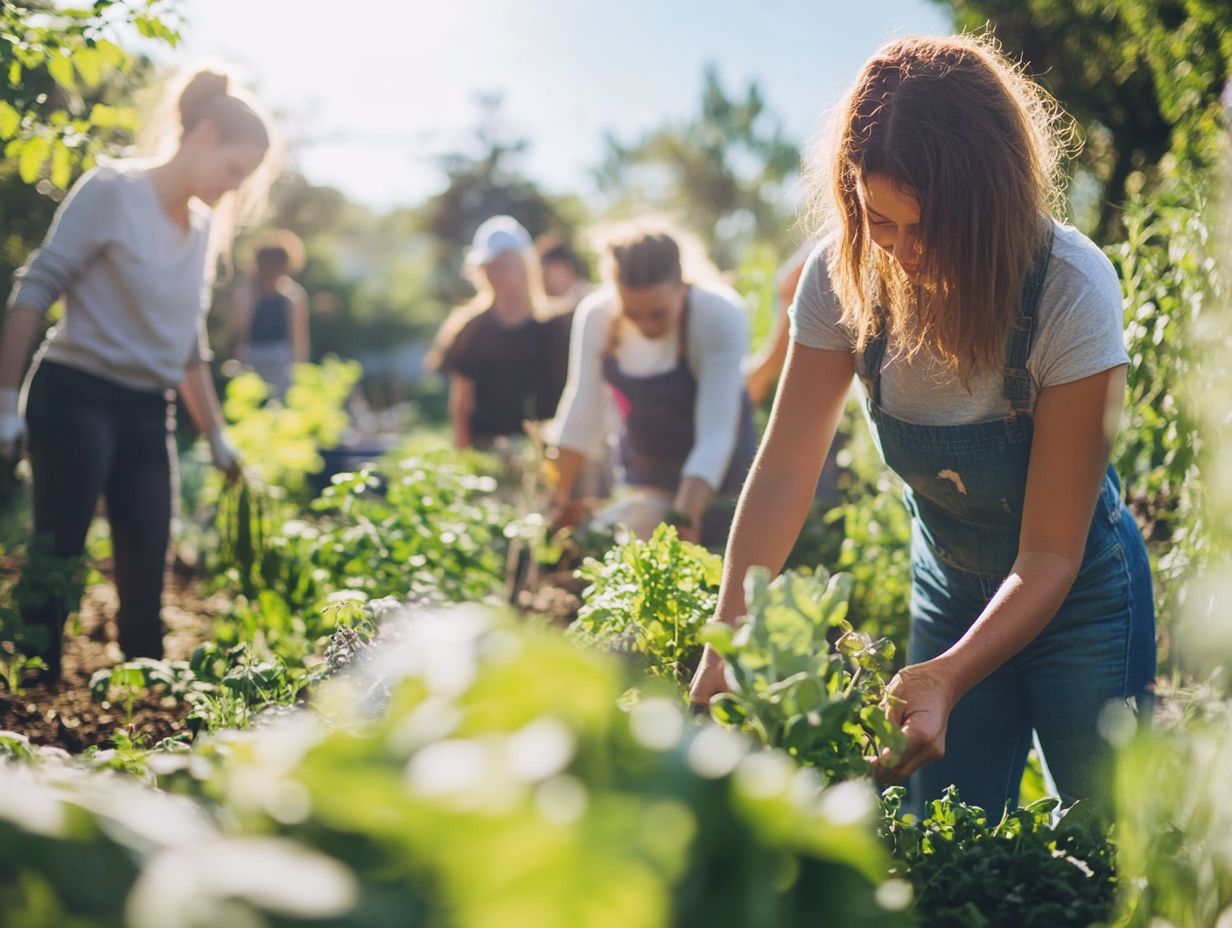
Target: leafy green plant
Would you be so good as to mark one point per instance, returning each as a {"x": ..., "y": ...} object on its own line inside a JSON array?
[
  {"x": 426, "y": 525},
  {"x": 1173, "y": 286},
  {"x": 651, "y": 597},
  {"x": 247, "y": 553},
  {"x": 177, "y": 679},
  {"x": 280, "y": 440},
  {"x": 14, "y": 665},
  {"x": 420, "y": 528},
  {"x": 1021, "y": 870},
  {"x": 15, "y": 746},
  {"x": 804, "y": 680}
]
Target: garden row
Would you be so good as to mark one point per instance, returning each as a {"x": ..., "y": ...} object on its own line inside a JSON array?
[{"x": 377, "y": 742}]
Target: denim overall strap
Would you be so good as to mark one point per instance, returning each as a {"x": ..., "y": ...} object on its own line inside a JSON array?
[
  {"x": 1018, "y": 340},
  {"x": 872, "y": 357},
  {"x": 1022, "y": 330}
]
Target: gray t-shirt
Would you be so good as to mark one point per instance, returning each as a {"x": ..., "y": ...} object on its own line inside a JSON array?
[
  {"x": 135, "y": 284},
  {"x": 1079, "y": 332}
]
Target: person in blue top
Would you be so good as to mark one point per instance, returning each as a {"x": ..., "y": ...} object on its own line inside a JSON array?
[{"x": 988, "y": 339}]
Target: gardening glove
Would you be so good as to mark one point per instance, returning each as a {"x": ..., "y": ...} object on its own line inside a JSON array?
[
  {"x": 12, "y": 424},
  {"x": 224, "y": 454}
]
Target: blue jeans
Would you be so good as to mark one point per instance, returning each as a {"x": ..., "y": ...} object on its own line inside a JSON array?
[{"x": 1098, "y": 649}]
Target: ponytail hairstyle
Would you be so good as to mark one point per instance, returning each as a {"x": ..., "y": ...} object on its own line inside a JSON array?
[
  {"x": 980, "y": 146},
  {"x": 210, "y": 95}
]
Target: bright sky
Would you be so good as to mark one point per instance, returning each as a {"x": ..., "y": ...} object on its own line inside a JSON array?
[{"x": 371, "y": 90}]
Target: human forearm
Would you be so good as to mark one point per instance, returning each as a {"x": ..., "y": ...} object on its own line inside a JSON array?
[
  {"x": 201, "y": 399},
  {"x": 568, "y": 465},
  {"x": 692, "y": 497},
  {"x": 461, "y": 404},
  {"x": 21, "y": 328},
  {"x": 779, "y": 491},
  {"x": 768, "y": 519},
  {"x": 1016, "y": 615},
  {"x": 461, "y": 430},
  {"x": 765, "y": 366},
  {"x": 1075, "y": 426},
  {"x": 300, "y": 351}
]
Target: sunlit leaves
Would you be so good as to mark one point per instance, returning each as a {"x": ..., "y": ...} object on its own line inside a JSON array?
[
  {"x": 651, "y": 597},
  {"x": 50, "y": 135},
  {"x": 805, "y": 680}
]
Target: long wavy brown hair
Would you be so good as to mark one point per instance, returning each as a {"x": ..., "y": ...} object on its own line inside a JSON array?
[{"x": 980, "y": 146}]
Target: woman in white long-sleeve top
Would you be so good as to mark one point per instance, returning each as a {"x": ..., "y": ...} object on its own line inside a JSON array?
[
  {"x": 668, "y": 354},
  {"x": 132, "y": 254}
]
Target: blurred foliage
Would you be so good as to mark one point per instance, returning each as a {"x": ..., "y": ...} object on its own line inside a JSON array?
[
  {"x": 66, "y": 98},
  {"x": 721, "y": 172},
  {"x": 55, "y": 59},
  {"x": 754, "y": 279},
  {"x": 470, "y": 741},
  {"x": 280, "y": 440},
  {"x": 483, "y": 180},
  {"x": 1173, "y": 287},
  {"x": 1174, "y": 833},
  {"x": 1142, "y": 78}
]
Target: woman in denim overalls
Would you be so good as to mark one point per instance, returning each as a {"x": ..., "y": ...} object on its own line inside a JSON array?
[{"x": 1031, "y": 605}]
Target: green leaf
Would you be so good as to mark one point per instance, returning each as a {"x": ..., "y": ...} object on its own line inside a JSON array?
[
  {"x": 112, "y": 117},
  {"x": 61, "y": 164},
  {"x": 110, "y": 55},
  {"x": 89, "y": 65},
  {"x": 728, "y": 710},
  {"x": 719, "y": 636},
  {"x": 10, "y": 121},
  {"x": 154, "y": 28},
  {"x": 60, "y": 67},
  {"x": 34, "y": 152}
]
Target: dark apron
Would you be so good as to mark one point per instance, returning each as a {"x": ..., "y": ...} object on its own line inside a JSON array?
[{"x": 660, "y": 426}]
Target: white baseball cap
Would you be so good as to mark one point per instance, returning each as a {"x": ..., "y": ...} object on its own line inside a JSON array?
[{"x": 495, "y": 237}]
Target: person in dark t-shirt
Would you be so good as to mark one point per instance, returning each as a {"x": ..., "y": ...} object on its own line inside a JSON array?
[{"x": 498, "y": 350}]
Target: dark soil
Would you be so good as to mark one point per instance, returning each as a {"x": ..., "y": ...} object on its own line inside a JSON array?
[
  {"x": 556, "y": 595},
  {"x": 66, "y": 716}
]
